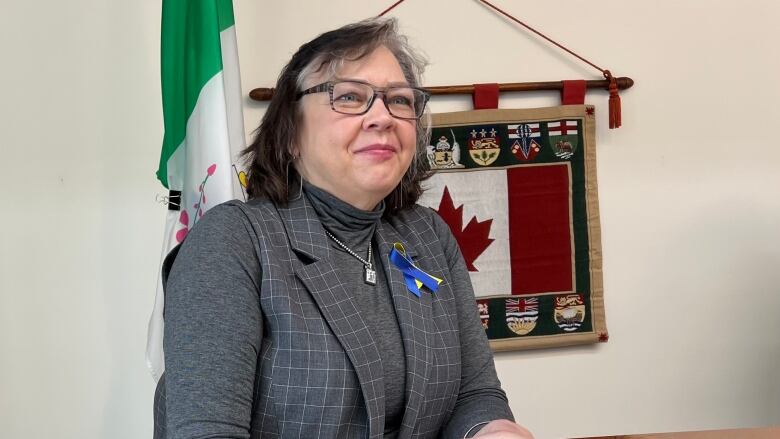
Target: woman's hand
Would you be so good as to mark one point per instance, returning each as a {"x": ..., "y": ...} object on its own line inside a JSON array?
[{"x": 503, "y": 429}]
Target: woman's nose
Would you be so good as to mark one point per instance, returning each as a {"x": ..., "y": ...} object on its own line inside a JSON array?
[{"x": 378, "y": 115}]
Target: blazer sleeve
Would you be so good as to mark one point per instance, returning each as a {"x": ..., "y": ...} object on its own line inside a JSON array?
[
  {"x": 213, "y": 329},
  {"x": 480, "y": 397}
]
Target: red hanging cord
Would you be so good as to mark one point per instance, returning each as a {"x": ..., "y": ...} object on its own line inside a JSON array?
[
  {"x": 509, "y": 16},
  {"x": 390, "y": 8},
  {"x": 614, "y": 97}
]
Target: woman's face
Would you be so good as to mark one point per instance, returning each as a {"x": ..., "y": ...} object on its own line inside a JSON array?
[{"x": 359, "y": 159}]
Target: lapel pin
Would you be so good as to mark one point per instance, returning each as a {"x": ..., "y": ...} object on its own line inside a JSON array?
[{"x": 413, "y": 276}]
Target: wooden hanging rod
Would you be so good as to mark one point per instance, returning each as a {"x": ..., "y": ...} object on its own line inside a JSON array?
[{"x": 264, "y": 94}]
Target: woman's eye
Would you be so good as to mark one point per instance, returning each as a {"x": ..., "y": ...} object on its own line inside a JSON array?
[
  {"x": 400, "y": 100},
  {"x": 349, "y": 97}
]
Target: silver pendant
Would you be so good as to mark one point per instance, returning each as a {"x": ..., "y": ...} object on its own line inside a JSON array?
[{"x": 369, "y": 275}]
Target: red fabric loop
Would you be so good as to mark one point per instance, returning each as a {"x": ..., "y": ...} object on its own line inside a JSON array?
[
  {"x": 573, "y": 92},
  {"x": 485, "y": 96}
]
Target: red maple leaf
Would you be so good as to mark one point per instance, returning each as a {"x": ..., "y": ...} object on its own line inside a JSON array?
[{"x": 473, "y": 240}]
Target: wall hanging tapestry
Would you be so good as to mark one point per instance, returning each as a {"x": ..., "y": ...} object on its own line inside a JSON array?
[{"x": 518, "y": 190}]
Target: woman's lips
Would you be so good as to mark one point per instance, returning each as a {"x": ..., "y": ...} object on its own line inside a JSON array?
[{"x": 378, "y": 150}]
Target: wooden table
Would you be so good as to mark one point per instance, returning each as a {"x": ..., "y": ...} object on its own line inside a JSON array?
[{"x": 740, "y": 433}]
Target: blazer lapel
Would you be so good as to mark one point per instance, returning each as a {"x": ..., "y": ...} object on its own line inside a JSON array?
[
  {"x": 414, "y": 314},
  {"x": 322, "y": 280}
]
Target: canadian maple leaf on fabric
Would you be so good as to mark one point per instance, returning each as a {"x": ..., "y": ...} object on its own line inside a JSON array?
[{"x": 474, "y": 238}]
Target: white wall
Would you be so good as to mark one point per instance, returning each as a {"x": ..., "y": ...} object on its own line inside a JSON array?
[{"x": 688, "y": 187}]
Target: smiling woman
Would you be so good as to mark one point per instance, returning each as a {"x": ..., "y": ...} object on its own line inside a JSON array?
[
  {"x": 292, "y": 315},
  {"x": 360, "y": 158}
]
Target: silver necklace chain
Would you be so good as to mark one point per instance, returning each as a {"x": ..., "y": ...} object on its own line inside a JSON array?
[
  {"x": 369, "y": 274},
  {"x": 349, "y": 250}
]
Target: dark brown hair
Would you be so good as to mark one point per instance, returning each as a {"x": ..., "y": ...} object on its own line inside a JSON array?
[{"x": 269, "y": 157}]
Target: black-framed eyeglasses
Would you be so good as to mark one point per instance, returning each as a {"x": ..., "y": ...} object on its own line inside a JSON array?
[{"x": 354, "y": 97}]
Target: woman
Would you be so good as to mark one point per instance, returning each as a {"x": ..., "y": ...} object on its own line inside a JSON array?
[{"x": 286, "y": 316}]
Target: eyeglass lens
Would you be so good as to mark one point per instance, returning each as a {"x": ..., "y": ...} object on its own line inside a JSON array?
[{"x": 354, "y": 97}]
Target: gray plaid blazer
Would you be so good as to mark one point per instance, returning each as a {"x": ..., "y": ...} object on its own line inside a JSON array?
[{"x": 318, "y": 372}]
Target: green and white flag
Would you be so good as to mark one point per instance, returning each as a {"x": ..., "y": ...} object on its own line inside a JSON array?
[{"x": 204, "y": 128}]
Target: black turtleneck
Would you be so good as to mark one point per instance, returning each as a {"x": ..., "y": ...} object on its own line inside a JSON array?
[{"x": 355, "y": 228}]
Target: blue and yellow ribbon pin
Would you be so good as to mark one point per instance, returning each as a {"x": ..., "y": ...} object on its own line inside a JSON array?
[{"x": 413, "y": 276}]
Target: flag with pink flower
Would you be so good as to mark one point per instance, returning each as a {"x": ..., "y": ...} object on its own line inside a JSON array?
[
  {"x": 199, "y": 207},
  {"x": 204, "y": 128}
]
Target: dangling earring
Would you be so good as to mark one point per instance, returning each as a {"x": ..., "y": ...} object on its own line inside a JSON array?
[{"x": 300, "y": 179}]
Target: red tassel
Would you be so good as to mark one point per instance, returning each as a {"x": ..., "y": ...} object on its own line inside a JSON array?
[{"x": 614, "y": 102}]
